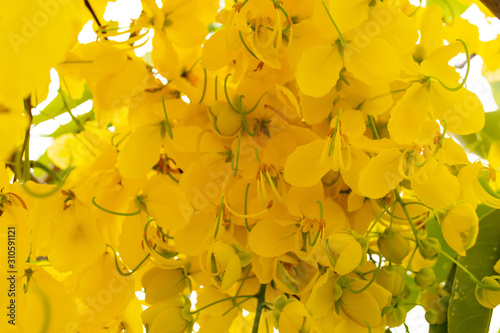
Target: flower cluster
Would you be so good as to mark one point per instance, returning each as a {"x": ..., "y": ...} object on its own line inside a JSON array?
[{"x": 293, "y": 164}]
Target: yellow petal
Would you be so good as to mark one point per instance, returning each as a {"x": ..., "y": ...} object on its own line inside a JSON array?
[
  {"x": 318, "y": 70},
  {"x": 381, "y": 174},
  {"x": 307, "y": 164},
  {"x": 460, "y": 228},
  {"x": 373, "y": 62},
  {"x": 189, "y": 240},
  {"x": 232, "y": 273},
  {"x": 409, "y": 114},
  {"x": 102, "y": 283},
  {"x": 28, "y": 29},
  {"x": 141, "y": 152},
  {"x": 462, "y": 110},
  {"x": 186, "y": 30},
  {"x": 269, "y": 239},
  {"x": 439, "y": 190},
  {"x": 349, "y": 258},
  {"x": 12, "y": 131},
  {"x": 49, "y": 307},
  {"x": 316, "y": 109},
  {"x": 163, "y": 284},
  {"x": 75, "y": 242},
  {"x": 164, "y": 56},
  {"x": 169, "y": 206},
  {"x": 216, "y": 54}
]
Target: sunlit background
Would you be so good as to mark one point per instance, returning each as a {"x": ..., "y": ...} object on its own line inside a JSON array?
[{"x": 123, "y": 11}]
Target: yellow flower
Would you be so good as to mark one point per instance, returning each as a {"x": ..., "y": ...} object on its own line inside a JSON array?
[
  {"x": 294, "y": 276},
  {"x": 293, "y": 317},
  {"x": 163, "y": 284},
  {"x": 489, "y": 298},
  {"x": 47, "y": 304},
  {"x": 74, "y": 242},
  {"x": 171, "y": 316},
  {"x": 366, "y": 306},
  {"x": 347, "y": 252},
  {"x": 460, "y": 227}
]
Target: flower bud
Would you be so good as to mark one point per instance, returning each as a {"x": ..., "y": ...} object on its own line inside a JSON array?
[
  {"x": 392, "y": 279},
  {"x": 398, "y": 249},
  {"x": 430, "y": 248},
  {"x": 425, "y": 278},
  {"x": 430, "y": 299},
  {"x": 396, "y": 316},
  {"x": 227, "y": 122},
  {"x": 489, "y": 298},
  {"x": 431, "y": 316},
  {"x": 172, "y": 316}
]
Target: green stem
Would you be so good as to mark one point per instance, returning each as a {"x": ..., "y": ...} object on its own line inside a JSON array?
[
  {"x": 49, "y": 171},
  {"x": 169, "y": 129},
  {"x": 373, "y": 127},
  {"x": 261, "y": 298},
  {"x": 237, "y": 155},
  {"x": 342, "y": 41},
  {"x": 466, "y": 271},
  {"x": 408, "y": 217},
  {"x": 380, "y": 216},
  {"x": 374, "y": 277},
  {"x": 220, "y": 301},
  {"x": 248, "y": 269},
  {"x": 237, "y": 304}
]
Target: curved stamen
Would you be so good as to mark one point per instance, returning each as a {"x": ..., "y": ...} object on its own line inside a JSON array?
[
  {"x": 245, "y": 215},
  {"x": 137, "y": 200},
  {"x": 204, "y": 86},
  {"x": 467, "y": 54}
]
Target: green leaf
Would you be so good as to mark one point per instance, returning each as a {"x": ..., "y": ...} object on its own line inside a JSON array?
[
  {"x": 450, "y": 8},
  {"x": 495, "y": 89},
  {"x": 441, "y": 328},
  {"x": 72, "y": 127},
  {"x": 465, "y": 314},
  {"x": 443, "y": 265},
  {"x": 479, "y": 143},
  {"x": 57, "y": 107},
  {"x": 413, "y": 293}
]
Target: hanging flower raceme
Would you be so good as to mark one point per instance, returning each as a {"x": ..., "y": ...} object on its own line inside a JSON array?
[{"x": 247, "y": 166}]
